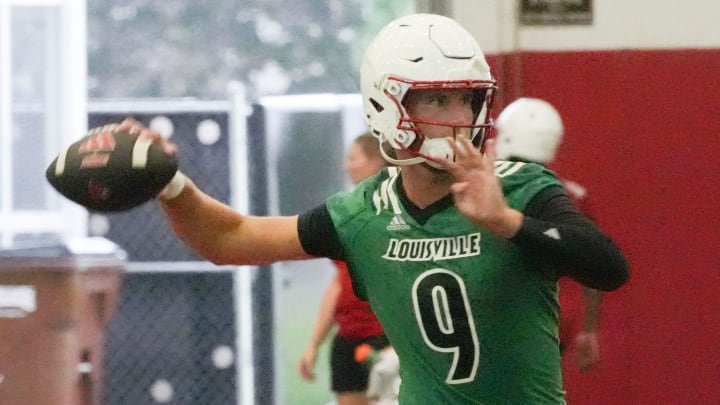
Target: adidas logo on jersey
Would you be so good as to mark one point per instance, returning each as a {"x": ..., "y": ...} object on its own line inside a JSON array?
[
  {"x": 397, "y": 224},
  {"x": 552, "y": 233}
]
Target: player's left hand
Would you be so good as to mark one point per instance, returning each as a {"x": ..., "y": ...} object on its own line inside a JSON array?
[
  {"x": 477, "y": 191},
  {"x": 587, "y": 350}
]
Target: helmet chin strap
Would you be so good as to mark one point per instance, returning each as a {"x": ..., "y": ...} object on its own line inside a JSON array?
[
  {"x": 404, "y": 162},
  {"x": 430, "y": 152}
]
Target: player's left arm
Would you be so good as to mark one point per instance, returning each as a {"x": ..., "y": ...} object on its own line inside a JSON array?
[
  {"x": 554, "y": 231},
  {"x": 550, "y": 228}
]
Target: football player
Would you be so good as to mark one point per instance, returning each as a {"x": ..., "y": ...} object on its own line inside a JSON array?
[{"x": 452, "y": 253}]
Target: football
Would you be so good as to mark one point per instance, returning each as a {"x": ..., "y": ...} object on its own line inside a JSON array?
[{"x": 110, "y": 170}]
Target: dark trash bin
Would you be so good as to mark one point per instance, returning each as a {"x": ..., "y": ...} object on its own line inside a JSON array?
[{"x": 55, "y": 300}]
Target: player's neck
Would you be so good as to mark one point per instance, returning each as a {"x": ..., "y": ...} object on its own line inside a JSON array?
[{"x": 423, "y": 185}]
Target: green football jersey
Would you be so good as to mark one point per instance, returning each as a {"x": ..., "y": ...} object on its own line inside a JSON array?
[{"x": 472, "y": 320}]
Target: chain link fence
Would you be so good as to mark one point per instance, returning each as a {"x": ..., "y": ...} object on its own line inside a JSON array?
[
  {"x": 172, "y": 340},
  {"x": 173, "y": 336}
]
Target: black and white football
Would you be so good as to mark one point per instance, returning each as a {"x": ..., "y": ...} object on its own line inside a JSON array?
[{"x": 110, "y": 170}]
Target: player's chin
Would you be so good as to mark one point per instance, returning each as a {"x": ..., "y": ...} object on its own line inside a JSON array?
[
  {"x": 440, "y": 175},
  {"x": 434, "y": 167}
]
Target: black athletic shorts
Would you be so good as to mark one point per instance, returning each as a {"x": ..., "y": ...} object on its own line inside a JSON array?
[{"x": 347, "y": 375}]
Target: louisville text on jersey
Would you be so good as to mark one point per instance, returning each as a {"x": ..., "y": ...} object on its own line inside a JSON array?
[{"x": 419, "y": 250}]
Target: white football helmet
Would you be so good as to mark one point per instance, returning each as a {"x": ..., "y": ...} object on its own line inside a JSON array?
[
  {"x": 529, "y": 129},
  {"x": 421, "y": 52}
]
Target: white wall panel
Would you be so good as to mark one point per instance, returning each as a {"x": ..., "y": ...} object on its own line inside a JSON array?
[{"x": 617, "y": 24}]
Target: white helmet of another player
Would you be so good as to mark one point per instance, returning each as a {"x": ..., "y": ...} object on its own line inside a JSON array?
[
  {"x": 529, "y": 129},
  {"x": 418, "y": 52}
]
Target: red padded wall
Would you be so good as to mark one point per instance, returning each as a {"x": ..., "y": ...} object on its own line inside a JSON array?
[{"x": 643, "y": 135}]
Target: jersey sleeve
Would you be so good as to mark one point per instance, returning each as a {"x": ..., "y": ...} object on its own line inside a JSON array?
[
  {"x": 346, "y": 208},
  {"x": 323, "y": 228},
  {"x": 317, "y": 234}
]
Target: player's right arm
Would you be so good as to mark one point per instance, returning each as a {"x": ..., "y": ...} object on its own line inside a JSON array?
[
  {"x": 215, "y": 230},
  {"x": 224, "y": 236}
]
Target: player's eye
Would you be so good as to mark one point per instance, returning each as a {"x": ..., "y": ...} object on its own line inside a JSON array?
[{"x": 436, "y": 99}]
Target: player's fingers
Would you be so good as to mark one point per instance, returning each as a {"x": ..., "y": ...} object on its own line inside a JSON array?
[
  {"x": 466, "y": 158},
  {"x": 135, "y": 127},
  {"x": 454, "y": 168},
  {"x": 447, "y": 164},
  {"x": 168, "y": 148},
  {"x": 586, "y": 363},
  {"x": 458, "y": 151},
  {"x": 486, "y": 161},
  {"x": 585, "y": 358},
  {"x": 130, "y": 124},
  {"x": 490, "y": 153},
  {"x": 465, "y": 150},
  {"x": 303, "y": 370},
  {"x": 468, "y": 154},
  {"x": 459, "y": 188}
]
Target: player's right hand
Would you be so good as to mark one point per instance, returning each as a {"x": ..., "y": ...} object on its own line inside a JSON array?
[
  {"x": 131, "y": 125},
  {"x": 307, "y": 364}
]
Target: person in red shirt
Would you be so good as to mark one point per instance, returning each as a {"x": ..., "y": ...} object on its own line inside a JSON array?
[
  {"x": 357, "y": 325},
  {"x": 530, "y": 130}
]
